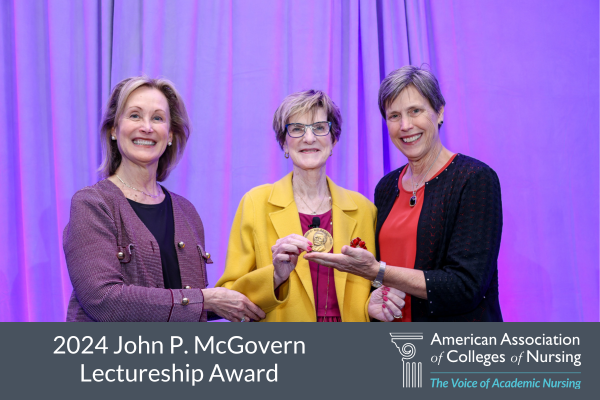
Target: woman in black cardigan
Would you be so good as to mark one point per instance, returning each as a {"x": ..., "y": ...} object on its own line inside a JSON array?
[{"x": 439, "y": 218}]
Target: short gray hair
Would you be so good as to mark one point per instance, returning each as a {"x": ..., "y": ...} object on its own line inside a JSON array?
[
  {"x": 424, "y": 81},
  {"x": 179, "y": 124},
  {"x": 308, "y": 101}
]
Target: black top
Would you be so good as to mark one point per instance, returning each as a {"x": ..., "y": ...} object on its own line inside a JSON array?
[
  {"x": 158, "y": 218},
  {"x": 458, "y": 240}
]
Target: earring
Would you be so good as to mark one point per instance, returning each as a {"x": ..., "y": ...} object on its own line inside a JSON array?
[
  {"x": 113, "y": 138},
  {"x": 330, "y": 154},
  {"x": 287, "y": 155},
  {"x": 441, "y": 122},
  {"x": 168, "y": 144}
]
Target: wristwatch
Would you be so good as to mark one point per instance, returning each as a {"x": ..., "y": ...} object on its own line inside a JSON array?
[{"x": 378, "y": 282}]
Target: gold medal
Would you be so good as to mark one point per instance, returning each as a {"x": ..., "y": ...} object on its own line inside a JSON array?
[{"x": 321, "y": 239}]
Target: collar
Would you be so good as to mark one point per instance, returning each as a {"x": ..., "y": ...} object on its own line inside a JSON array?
[{"x": 282, "y": 194}]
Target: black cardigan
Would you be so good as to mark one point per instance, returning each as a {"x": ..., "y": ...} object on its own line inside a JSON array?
[{"x": 458, "y": 239}]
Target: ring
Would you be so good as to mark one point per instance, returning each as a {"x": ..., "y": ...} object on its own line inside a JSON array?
[
  {"x": 398, "y": 316},
  {"x": 243, "y": 319}
]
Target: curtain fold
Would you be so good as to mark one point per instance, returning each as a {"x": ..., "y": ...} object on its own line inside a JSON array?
[{"x": 516, "y": 87}]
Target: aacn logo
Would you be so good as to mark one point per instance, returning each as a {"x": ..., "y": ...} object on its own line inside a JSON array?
[{"x": 412, "y": 373}]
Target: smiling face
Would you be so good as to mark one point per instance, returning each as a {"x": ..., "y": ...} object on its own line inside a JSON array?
[
  {"x": 143, "y": 129},
  {"x": 309, "y": 151},
  {"x": 413, "y": 124}
]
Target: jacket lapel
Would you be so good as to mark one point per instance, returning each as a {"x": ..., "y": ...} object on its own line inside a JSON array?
[
  {"x": 150, "y": 265},
  {"x": 286, "y": 222}
]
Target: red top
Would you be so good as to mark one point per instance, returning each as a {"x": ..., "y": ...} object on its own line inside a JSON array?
[
  {"x": 398, "y": 235},
  {"x": 321, "y": 275}
]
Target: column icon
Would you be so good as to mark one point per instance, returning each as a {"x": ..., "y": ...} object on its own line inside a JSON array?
[{"x": 412, "y": 372}]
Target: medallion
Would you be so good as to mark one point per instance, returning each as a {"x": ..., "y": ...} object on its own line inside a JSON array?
[
  {"x": 413, "y": 200},
  {"x": 321, "y": 239}
]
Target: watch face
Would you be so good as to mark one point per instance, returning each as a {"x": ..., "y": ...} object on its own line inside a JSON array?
[{"x": 376, "y": 284}]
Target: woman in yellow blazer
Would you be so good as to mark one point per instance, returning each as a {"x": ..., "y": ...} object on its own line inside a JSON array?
[{"x": 267, "y": 238}]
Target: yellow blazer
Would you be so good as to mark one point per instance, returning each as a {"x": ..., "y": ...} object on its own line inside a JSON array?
[{"x": 267, "y": 213}]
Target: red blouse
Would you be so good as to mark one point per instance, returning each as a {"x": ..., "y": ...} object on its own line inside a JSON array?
[
  {"x": 398, "y": 235},
  {"x": 326, "y": 301}
]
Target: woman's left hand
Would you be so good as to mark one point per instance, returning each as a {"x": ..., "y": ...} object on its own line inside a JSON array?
[
  {"x": 354, "y": 261},
  {"x": 386, "y": 304}
]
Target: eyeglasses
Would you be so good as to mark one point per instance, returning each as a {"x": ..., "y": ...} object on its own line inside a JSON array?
[{"x": 318, "y": 129}]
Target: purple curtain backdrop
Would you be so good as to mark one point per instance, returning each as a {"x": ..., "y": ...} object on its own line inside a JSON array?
[{"x": 520, "y": 80}]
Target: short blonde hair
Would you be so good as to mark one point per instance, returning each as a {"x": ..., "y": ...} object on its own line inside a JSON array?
[
  {"x": 179, "y": 125},
  {"x": 308, "y": 101}
]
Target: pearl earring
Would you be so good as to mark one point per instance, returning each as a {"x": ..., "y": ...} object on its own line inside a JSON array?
[
  {"x": 169, "y": 143},
  {"x": 113, "y": 138}
]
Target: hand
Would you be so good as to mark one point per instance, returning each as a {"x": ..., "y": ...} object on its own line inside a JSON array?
[
  {"x": 386, "y": 303},
  {"x": 355, "y": 261},
  {"x": 285, "y": 256},
  {"x": 231, "y": 305}
]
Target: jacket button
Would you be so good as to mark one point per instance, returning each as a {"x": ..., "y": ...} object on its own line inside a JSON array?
[
  {"x": 185, "y": 301},
  {"x": 187, "y": 287},
  {"x": 207, "y": 255},
  {"x": 120, "y": 255},
  {"x": 181, "y": 245}
]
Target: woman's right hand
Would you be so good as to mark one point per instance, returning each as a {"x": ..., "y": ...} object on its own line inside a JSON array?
[
  {"x": 285, "y": 256},
  {"x": 231, "y": 305},
  {"x": 386, "y": 304}
]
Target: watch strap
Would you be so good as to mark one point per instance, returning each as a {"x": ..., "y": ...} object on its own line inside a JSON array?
[{"x": 378, "y": 281}]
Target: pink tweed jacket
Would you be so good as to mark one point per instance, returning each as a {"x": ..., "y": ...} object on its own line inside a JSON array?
[{"x": 114, "y": 261}]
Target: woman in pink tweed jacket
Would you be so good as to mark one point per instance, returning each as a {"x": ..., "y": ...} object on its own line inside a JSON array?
[{"x": 134, "y": 251}]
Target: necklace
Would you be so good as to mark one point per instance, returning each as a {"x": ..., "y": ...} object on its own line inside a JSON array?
[
  {"x": 413, "y": 199},
  {"x": 154, "y": 196},
  {"x": 320, "y": 204}
]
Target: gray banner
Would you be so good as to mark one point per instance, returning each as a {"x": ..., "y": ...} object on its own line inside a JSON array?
[{"x": 298, "y": 361}]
